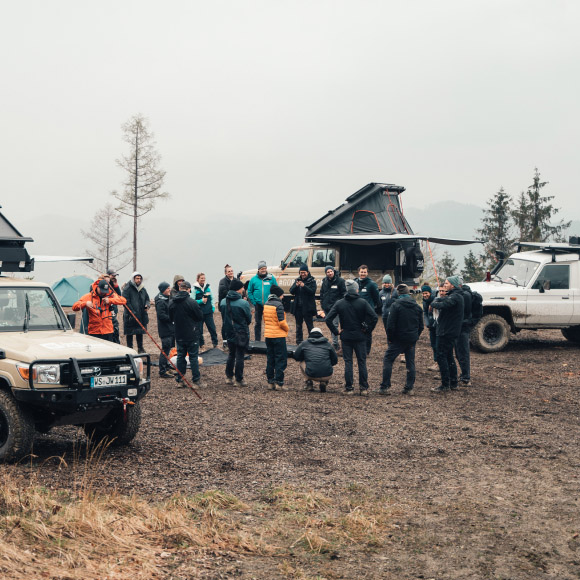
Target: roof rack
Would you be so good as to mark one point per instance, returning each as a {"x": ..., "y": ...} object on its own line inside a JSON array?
[{"x": 553, "y": 247}]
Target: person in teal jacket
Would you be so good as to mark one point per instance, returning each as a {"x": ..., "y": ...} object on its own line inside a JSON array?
[
  {"x": 258, "y": 292},
  {"x": 204, "y": 297}
]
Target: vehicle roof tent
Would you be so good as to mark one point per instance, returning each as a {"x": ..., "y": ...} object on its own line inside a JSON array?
[
  {"x": 13, "y": 255},
  {"x": 69, "y": 289},
  {"x": 373, "y": 209}
]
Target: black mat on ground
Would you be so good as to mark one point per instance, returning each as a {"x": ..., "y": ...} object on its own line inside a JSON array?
[
  {"x": 211, "y": 357},
  {"x": 259, "y": 347}
]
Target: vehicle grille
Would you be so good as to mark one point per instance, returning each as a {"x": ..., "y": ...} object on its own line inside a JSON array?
[{"x": 94, "y": 367}]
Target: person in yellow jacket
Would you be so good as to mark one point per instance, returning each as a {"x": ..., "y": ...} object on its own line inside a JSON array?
[{"x": 275, "y": 331}]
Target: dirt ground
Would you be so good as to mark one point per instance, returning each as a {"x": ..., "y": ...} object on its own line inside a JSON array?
[{"x": 487, "y": 477}]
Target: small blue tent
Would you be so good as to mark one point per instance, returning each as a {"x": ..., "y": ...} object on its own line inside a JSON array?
[{"x": 68, "y": 290}]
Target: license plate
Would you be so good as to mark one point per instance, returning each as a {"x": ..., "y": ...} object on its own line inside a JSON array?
[{"x": 109, "y": 381}]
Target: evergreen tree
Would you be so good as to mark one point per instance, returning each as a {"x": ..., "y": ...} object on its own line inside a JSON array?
[
  {"x": 447, "y": 266},
  {"x": 473, "y": 268},
  {"x": 496, "y": 226}
]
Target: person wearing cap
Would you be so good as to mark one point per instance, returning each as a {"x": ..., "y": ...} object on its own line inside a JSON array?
[
  {"x": 236, "y": 316},
  {"x": 357, "y": 318},
  {"x": 98, "y": 303},
  {"x": 304, "y": 303},
  {"x": 449, "y": 322},
  {"x": 165, "y": 329},
  {"x": 331, "y": 291},
  {"x": 259, "y": 289},
  {"x": 186, "y": 315},
  {"x": 387, "y": 296},
  {"x": 112, "y": 274},
  {"x": 316, "y": 357},
  {"x": 275, "y": 330},
  {"x": 404, "y": 327},
  {"x": 429, "y": 320},
  {"x": 138, "y": 303},
  {"x": 368, "y": 291}
]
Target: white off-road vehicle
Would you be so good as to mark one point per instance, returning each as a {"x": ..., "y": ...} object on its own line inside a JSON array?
[{"x": 532, "y": 290}]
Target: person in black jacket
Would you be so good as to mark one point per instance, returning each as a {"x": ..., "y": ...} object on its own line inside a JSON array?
[
  {"x": 357, "y": 319},
  {"x": 186, "y": 315},
  {"x": 138, "y": 301},
  {"x": 165, "y": 329},
  {"x": 387, "y": 296},
  {"x": 316, "y": 358},
  {"x": 369, "y": 291},
  {"x": 304, "y": 303},
  {"x": 223, "y": 289},
  {"x": 462, "y": 345},
  {"x": 331, "y": 291},
  {"x": 449, "y": 322},
  {"x": 112, "y": 274},
  {"x": 404, "y": 326}
]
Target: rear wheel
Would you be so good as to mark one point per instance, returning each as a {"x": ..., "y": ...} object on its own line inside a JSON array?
[
  {"x": 490, "y": 334},
  {"x": 572, "y": 333},
  {"x": 116, "y": 427},
  {"x": 16, "y": 429}
]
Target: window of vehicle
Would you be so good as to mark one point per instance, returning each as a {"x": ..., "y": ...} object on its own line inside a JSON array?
[
  {"x": 517, "y": 272},
  {"x": 297, "y": 258},
  {"x": 322, "y": 257},
  {"x": 553, "y": 277},
  {"x": 29, "y": 309}
]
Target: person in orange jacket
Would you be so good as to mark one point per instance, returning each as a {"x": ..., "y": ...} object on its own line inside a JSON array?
[{"x": 98, "y": 304}]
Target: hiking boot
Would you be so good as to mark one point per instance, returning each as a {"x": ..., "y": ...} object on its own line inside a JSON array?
[
  {"x": 349, "y": 392},
  {"x": 440, "y": 389},
  {"x": 433, "y": 368},
  {"x": 165, "y": 376},
  {"x": 364, "y": 392},
  {"x": 281, "y": 387},
  {"x": 323, "y": 386},
  {"x": 453, "y": 386},
  {"x": 198, "y": 385},
  {"x": 272, "y": 386},
  {"x": 308, "y": 385},
  {"x": 229, "y": 381},
  {"x": 408, "y": 392},
  {"x": 383, "y": 391},
  {"x": 402, "y": 360},
  {"x": 465, "y": 383},
  {"x": 241, "y": 383}
]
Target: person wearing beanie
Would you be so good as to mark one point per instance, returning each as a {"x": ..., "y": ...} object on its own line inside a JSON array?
[
  {"x": 429, "y": 320},
  {"x": 387, "y": 296},
  {"x": 404, "y": 326},
  {"x": 304, "y": 303},
  {"x": 138, "y": 302},
  {"x": 368, "y": 291},
  {"x": 357, "y": 319},
  {"x": 165, "y": 329},
  {"x": 332, "y": 290},
  {"x": 236, "y": 316},
  {"x": 316, "y": 357},
  {"x": 275, "y": 330},
  {"x": 259, "y": 289},
  {"x": 449, "y": 323}
]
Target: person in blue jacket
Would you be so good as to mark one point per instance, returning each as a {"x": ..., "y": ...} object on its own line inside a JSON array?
[
  {"x": 204, "y": 297},
  {"x": 258, "y": 291}
]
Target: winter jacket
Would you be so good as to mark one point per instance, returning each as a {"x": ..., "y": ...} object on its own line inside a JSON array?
[
  {"x": 138, "y": 301},
  {"x": 428, "y": 319},
  {"x": 304, "y": 296},
  {"x": 369, "y": 291},
  {"x": 275, "y": 325},
  {"x": 185, "y": 313},
  {"x": 352, "y": 311},
  {"x": 331, "y": 291},
  {"x": 405, "y": 320},
  {"x": 100, "y": 315},
  {"x": 467, "y": 298},
  {"x": 175, "y": 288},
  {"x": 259, "y": 288},
  {"x": 223, "y": 288},
  {"x": 319, "y": 356},
  {"x": 165, "y": 326},
  {"x": 450, "y": 309},
  {"x": 200, "y": 292},
  {"x": 387, "y": 298},
  {"x": 241, "y": 316}
]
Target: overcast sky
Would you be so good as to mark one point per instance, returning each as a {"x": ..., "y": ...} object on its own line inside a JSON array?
[{"x": 265, "y": 108}]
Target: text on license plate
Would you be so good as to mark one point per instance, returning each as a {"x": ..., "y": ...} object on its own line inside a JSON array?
[{"x": 109, "y": 381}]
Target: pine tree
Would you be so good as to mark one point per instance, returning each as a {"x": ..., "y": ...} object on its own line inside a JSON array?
[
  {"x": 496, "y": 226},
  {"x": 473, "y": 268},
  {"x": 447, "y": 267}
]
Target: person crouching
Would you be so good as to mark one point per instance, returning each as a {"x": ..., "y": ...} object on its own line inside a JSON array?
[{"x": 316, "y": 357}]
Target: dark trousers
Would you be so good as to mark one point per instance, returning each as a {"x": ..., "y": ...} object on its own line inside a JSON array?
[
  {"x": 191, "y": 348},
  {"x": 463, "y": 355},
  {"x": 385, "y": 319},
  {"x": 210, "y": 324},
  {"x": 277, "y": 360},
  {"x": 369, "y": 342},
  {"x": 433, "y": 340},
  {"x": 108, "y": 337},
  {"x": 167, "y": 343},
  {"x": 258, "y": 314},
  {"x": 139, "y": 341},
  {"x": 393, "y": 351},
  {"x": 301, "y": 318},
  {"x": 235, "y": 363},
  {"x": 359, "y": 349},
  {"x": 446, "y": 361},
  {"x": 116, "y": 338}
]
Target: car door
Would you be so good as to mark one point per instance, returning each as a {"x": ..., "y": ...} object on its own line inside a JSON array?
[{"x": 550, "y": 300}]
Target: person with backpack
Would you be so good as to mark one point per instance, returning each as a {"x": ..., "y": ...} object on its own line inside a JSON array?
[{"x": 357, "y": 320}]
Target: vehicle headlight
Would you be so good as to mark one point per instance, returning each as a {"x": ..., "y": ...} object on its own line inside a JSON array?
[
  {"x": 47, "y": 374},
  {"x": 139, "y": 363}
]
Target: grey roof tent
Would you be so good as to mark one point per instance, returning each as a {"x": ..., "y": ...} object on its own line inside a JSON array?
[{"x": 13, "y": 255}]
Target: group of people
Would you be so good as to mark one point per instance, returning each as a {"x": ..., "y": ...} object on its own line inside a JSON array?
[{"x": 349, "y": 308}]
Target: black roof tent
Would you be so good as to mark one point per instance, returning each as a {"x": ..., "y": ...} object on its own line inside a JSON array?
[{"x": 13, "y": 255}]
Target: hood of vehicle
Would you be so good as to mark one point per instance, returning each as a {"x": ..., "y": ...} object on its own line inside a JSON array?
[
  {"x": 58, "y": 344},
  {"x": 493, "y": 289}
]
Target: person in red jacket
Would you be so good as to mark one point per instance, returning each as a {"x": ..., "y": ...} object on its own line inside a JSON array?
[{"x": 98, "y": 303}]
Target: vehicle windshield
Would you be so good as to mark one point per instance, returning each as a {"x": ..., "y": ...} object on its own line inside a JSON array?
[
  {"x": 24, "y": 309},
  {"x": 516, "y": 272}
]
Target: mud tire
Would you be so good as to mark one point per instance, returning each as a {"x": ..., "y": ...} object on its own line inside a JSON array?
[
  {"x": 572, "y": 333},
  {"x": 490, "y": 334},
  {"x": 16, "y": 429},
  {"x": 114, "y": 429}
]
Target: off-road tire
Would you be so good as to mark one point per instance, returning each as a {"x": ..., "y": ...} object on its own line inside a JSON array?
[
  {"x": 16, "y": 429},
  {"x": 114, "y": 428},
  {"x": 572, "y": 333},
  {"x": 490, "y": 334}
]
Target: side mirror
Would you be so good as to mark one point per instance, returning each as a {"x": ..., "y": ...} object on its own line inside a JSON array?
[
  {"x": 2, "y": 354},
  {"x": 72, "y": 319}
]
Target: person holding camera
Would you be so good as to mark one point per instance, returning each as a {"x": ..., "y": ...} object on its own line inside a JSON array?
[
  {"x": 204, "y": 298},
  {"x": 304, "y": 303}
]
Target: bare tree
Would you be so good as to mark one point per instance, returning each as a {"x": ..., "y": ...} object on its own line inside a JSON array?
[
  {"x": 106, "y": 236},
  {"x": 144, "y": 183}
]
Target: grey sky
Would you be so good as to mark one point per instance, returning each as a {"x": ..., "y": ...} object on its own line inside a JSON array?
[{"x": 259, "y": 106}]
